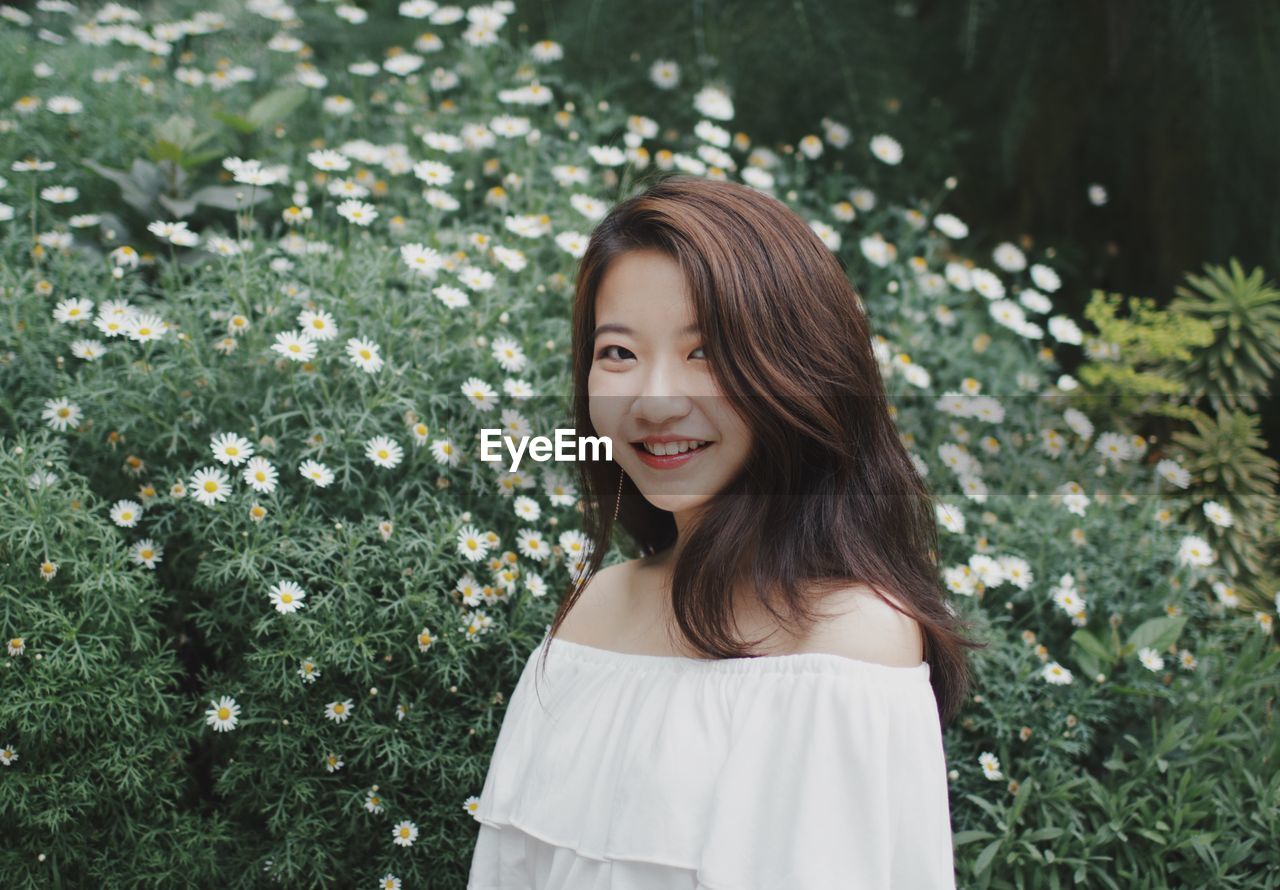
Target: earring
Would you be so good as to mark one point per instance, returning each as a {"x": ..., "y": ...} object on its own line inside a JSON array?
[{"x": 618, "y": 506}]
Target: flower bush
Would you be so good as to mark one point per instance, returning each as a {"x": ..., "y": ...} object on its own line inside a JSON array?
[{"x": 262, "y": 596}]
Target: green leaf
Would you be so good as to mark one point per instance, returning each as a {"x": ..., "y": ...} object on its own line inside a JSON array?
[
  {"x": 164, "y": 150},
  {"x": 235, "y": 121},
  {"x": 960, "y": 838},
  {"x": 1158, "y": 634},
  {"x": 231, "y": 198},
  {"x": 179, "y": 207},
  {"x": 1095, "y": 647},
  {"x": 275, "y": 105},
  {"x": 983, "y": 862},
  {"x": 138, "y": 187},
  {"x": 1020, "y": 800}
]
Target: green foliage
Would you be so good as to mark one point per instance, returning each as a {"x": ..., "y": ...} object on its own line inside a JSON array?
[
  {"x": 1229, "y": 457},
  {"x": 162, "y": 189},
  {"x": 1187, "y": 800},
  {"x": 270, "y": 109},
  {"x": 1127, "y": 376},
  {"x": 92, "y": 704},
  {"x": 1245, "y": 353}
]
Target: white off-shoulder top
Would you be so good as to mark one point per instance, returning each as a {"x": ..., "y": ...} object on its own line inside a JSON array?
[{"x": 651, "y": 772}]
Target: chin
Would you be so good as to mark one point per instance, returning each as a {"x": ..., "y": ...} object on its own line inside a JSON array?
[{"x": 676, "y": 503}]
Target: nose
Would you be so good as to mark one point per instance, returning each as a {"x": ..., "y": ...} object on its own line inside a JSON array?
[{"x": 661, "y": 397}]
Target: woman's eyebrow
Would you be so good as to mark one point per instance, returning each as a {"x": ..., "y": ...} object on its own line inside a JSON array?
[{"x": 613, "y": 327}]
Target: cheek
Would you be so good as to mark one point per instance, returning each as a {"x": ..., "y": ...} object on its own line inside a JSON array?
[{"x": 603, "y": 409}]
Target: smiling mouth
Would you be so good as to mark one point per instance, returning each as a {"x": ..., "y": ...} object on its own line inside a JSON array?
[
  {"x": 669, "y": 462},
  {"x": 671, "y": 448}
]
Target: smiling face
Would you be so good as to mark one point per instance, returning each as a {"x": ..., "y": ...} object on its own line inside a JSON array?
[{"x": 650, "y": 379}]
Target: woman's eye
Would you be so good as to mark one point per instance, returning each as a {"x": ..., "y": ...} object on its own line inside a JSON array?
[
  {"x": 604, "y": 353},
  {"x": 699, "y": 349}
]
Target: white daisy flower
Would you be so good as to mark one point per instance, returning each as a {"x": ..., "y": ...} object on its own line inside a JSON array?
[
  {"x": 1195, "y": 551},
  {"x": 1045, "y": 278},
  {"x": 472, "y": 544},
  {"x": 74, "y": 310},
  {"x": 482, "y": 395},
  {"x": 146, "y": 552},
  {"x": 328, "y": 159},
  {"x": 223, "y": 715},
  {"x": 339, "y": 711},
  {"x": 1173, "y": 472},
  {"x": 1008, "y": 257},
  {"x": 531, "y": 544},
  {"x": 527, "y": 508},
  {"x": 8, "y": 754},
  {"x": 950, "y": 226},
  {"x": 535, "y": 585},
  {"x": 145, "y": 326},
  {"x": 404, "y": 833},
  {"x": 60, "y": 414},
  {"x": 295, "y": 346},
  {"x": 230, "y": 448},
  {"x": 317, "y": 472},
  {"x": 990, "y": 766},
  {"x": 433, "y": 173},
  {"x": 210, "y": 485},
  {"x": 318, "y": 324},
  {"x": 445, "y": 452},
  {"x": 509, "y": 354},
  {"x": 89, "y": 350},
  {"x": 518, "y": 389},
  {"x": 425, "y": 639},
  {"x": 383, "y": 451},
  {"x": 59, "y": 194},
  {"x": 64, "y": 104},
  {"x": 886, "y": 149},
  {"x": 1150, "y": 659},
  {"x": 364, "y": 354},
  {"x": 421, "y": 259},
  {"x": 287, "y": 597},
  {"x": 714, "y": 103},
  {"x": 308, "y": 671},
  {"x": 1218, "y": 514},
  {"x": 665, "y": 74},
  {"x": 260, "y": 475},
  {"x": 453, "y": 297},
  {"x": 126, "y": 513},
  {"x": 1056, "y": 674},
  {"x": 357, "y": 212}
]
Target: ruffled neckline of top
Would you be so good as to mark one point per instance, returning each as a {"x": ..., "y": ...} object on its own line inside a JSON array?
[{"x": 794, "y": 663}]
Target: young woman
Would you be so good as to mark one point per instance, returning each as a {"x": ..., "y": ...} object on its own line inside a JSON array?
[{"x": 757, "y": 703}]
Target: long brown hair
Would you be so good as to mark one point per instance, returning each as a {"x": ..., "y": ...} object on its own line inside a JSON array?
[{"x": 828, "y": 496}]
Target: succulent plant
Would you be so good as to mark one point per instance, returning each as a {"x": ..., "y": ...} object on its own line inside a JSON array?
[{"x": 1245, "y": 353}]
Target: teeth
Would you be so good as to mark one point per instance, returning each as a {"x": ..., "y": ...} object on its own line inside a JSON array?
[{"x": 672, "y": 447}]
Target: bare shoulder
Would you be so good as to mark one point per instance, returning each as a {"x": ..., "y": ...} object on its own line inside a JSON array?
[
  {"x": 860, "y": 625},
  {"x": 596, "y": 613}
]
